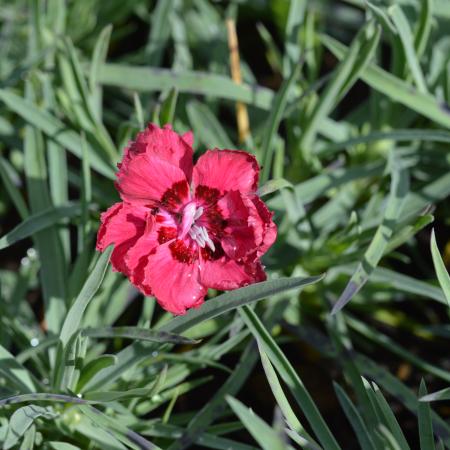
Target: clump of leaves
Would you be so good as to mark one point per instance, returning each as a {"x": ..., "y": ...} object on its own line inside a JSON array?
[{"x": 348, "y": 107}]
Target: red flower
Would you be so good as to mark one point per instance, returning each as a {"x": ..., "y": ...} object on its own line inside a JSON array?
[{"x": 179, "y": 229}]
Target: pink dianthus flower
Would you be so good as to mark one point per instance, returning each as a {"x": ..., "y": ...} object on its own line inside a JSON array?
[{"x": 181, "y": 229}]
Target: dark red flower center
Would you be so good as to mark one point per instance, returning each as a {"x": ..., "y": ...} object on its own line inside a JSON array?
[
  {"x": 194, "y": 226},
  {"x": 174, "y": 197}
]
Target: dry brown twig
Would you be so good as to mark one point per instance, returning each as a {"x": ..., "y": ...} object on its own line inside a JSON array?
[{"x": 243, "y": 123}]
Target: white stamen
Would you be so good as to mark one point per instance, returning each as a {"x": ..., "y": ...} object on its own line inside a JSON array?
[
  {"x": 207, "y": 239},
  {"x": 197, "y": 233},
  {"x": 200, "y": 240},
  {"x": 193, "y": 232},
  {"x": 204, "y": 233},
  {"x": 211, "y": 244}
]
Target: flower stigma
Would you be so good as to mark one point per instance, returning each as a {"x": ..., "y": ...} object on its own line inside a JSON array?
[{"x": 198, "y": 233}]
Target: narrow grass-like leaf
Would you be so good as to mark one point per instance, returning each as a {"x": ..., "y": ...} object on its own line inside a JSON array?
[
  {"x": 75, "y": 84},
  {"x": 349, "y": 68},
  {"x": 203, "y": 362},
  {"x": 55, "y": 129},
  {"x": 355, "y": 419},
  {"x": 294, "y": 22},
  {"x": 59, "y": 186},
  {"x": 138, "y": 110},
  {"x": 208, "y": 440},
  {"x": 15, "y": 372},
  {"x": 290, "y": 377},
  {"x": 33, "y": 351},
  {"x": 159, "y": 32},
  {"x": 401, "y": 282},
  {"x": 395, "y": 88},
  {"x": 407, "y": 41},
  {"x": 406, "y": 232},
  {"x": 55, "y": 445},
  {"x": 182, "y": 55},
  {"x": 86, "y": 196},
  {"x": 388, "y": 343},
  {"x": 21, "y": 420},
  {"x": 136, "y": 333},
  {"x": 309, "y": 44},
  {"x": 35, "y": 38},
  {"x": 367, "y": 51},
  {"x": 148, "y": 79},
  {"x": 374, "y": 253},
  {"x": 98, "y": 58},
  {"x": 341, "y": 339},
  {"x": 70, "y": 358},
  {"x": 394, "y": 135},
  {"x": 388, "y": 416},
  {"x": 283, "y": 402},
  {"x": 382, "y": 17},
  {"x": 112, "y": 396},
  {"x": 425, "y": 424},
  {"x": 313, "y": 188},
  {"x": 8, "y": 179},
  {"x": 100, "y": 437},
  {"x": 439, "y": 267},
  {"x": 272, "y": 53},
  {"x": 170, "y": 406},
  {"x": 422, "y": 33},
  {"x": 75, "y": 314},
  {"x": 28, "y": 439},
  {"x": 53, "y": 264},
  {"x": 443, "y": 394},
  {"x": 41, "y": 397},
  {"x": 168, "y": 106},
  {"x": 277, "y": 391},
  {"x": 273, "y": 186},
  {"x": 220, "y": 443},
  {"x": 261, "y": 432},
  {"x": 212, "y": 308},
  {"x": 38, "y": 222},
  {"x": 166, "y": 395},
  {"x": 432, "y": 192},
  {"x": 233, "y": 299},
  {"x": 94, "y": 366},
  {"x": 207, "y": 127},
  {"x": 383, "y": 377},
  {"x": 389, "y": 442},
  {"x": 117, "y": 429},
  {"x": 395, "y": 387},
  {"x": 273, "y": 122},
  {"x": 215, "y": 407},
  {"x": 85, "y": 106}
]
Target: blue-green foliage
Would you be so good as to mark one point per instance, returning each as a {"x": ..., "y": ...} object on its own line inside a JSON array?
[{"x": 349, "y": 109}]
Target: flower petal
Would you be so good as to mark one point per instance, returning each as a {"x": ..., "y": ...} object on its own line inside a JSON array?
[
  {"x": 145, "y": 180},
  {"x": 188, "y": 137},
  {"x": 269, "y": 233},
  {"x": 225, "y": 273},
  {"x": 121, "y": 225},
  {"x": 227, "y": 170},
  {"x": 174, "y": 283},
  {"x": 165, "y": 144},
  {"x": 243, "y": 232}
]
